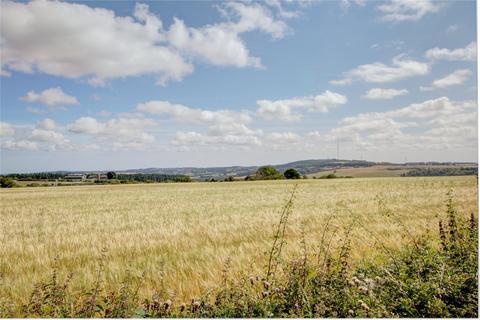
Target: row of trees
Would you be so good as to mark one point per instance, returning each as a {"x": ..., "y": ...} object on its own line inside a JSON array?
[
  {"x": 424, "y": 172},
  {"x": 152, "y": 177},
  {"x": 270, "y": 173}
]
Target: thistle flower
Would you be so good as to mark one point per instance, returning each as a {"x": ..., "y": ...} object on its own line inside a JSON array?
[
  {"x": 363, "y": 290},
  {"x": 252, "y": 280},
  {"x": 365, "y": 307},
  {"x": 167, "y": 304},
  {"x": 351, "y": 312},
  {"x": 266, "y": 285}
]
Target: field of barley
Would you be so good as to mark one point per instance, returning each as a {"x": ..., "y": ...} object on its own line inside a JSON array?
[{"x": 179, "y": 235}]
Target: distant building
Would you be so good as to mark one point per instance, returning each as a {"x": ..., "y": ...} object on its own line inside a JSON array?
[{"x": 75, "y": 177}]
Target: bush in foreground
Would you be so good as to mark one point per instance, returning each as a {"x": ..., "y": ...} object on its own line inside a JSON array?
[{"x": 433, "y": 276}]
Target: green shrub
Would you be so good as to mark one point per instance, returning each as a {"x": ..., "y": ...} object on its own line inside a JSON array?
[
  {"x": 6, "y": 182},
  {"x": 291, "y": 174}
]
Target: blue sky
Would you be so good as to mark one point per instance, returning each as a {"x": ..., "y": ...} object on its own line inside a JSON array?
[{"x": 120, "y": 84}]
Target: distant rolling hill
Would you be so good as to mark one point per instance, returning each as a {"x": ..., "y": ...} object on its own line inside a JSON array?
[
  {"x": 315, "y": 167},
  {"x": 305, "y": 167},
  {"x": 311, "y": 168}
]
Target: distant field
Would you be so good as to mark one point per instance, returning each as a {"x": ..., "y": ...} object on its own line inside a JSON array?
[
  {"x": 187, "y": 230},
  {"x": 373, "y": 171}
]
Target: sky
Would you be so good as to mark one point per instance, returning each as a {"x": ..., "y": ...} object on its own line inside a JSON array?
[{"x": 112, "y": 85}]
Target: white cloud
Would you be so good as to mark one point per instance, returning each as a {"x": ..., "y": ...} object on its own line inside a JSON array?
[
  {"x": 440, "y": 121},
  {"x": 283, "y": 109},
  {"x": 380, "y": 73},
  {"x": 456, "y": 78},
  {"x": 407, "y": 10},
  {"x": 282, "y": 12},
  {"x": 6, "y": 129},
  {"x": 87, "y": 125},
  {"x": 96, "y": 46},
  {"x": 19, "y": 145},
  {"x": 42, "y": 135},
  {"x": 47, "y": 124},
  {"x": 34, "y": 110},
  {"x": 469, "y": 53},
  {"x": 213, "y": 44},
  {"x": 384, "y": 94},
  {"x": 50, "y": 97},
  {"x": 123, "y": 132},
  {"x": 192, "y": 138},
  {"x": 104, "y": 113},
  {"x": 24, "y": 137},
  {"x": 254, "y": 17},
  {"x": 220, "y": 44},
  {"x": 103, "y": 46},
  {"x": 186, "y": 114},
  {"x": 452, "y": 28},
  {"x": 283, "y": 137}
]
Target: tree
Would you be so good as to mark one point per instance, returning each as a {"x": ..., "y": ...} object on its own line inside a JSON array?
[
  {"x": 268, "y": 173},
  {"x": 111, "y": 175},
  {"x": 291, "y": 174},
  {"x": 6, "y": 182}
]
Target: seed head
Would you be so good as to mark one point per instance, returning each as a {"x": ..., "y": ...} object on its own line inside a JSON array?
[
  {"x": 364, "y": 306},
  {"x": 167, "y": 304},
  {"x": 266, "y": 285}
]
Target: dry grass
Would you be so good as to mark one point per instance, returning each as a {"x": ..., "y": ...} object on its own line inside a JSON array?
[{"x": 187, "y": 231}]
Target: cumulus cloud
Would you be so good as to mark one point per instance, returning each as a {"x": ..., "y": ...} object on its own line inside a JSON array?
[
  {"x": 47, "y": 124},
  {"x": 6, "y": 129},
  {"x": 192, "y": 138},
  {"x": 19, "y": 145},
  {"x": 282, "y": 12},
  {"x": 392, "y": 129},
  {"x": 213, "y": 44},
  {"x": 194, "y": 115},
  {"x": 43, "y": 135},
  {"x": 223, "y": 127},
  {"x": 407, "y": 10},
  {"x": 26, "y": 137},
  {"x": 381, "y": 73},
  {"x": 283, "y": 109},
  {"x": 384, "y": 94},
  {"x": 456, "y": 78},
  {"x": 469, "y": 53},
  {"x": 50, "y": 97},
  {"x": 32, "y": 40},
  {"x": 123, "y": 132},
  {"x": 220, "y": 44}
]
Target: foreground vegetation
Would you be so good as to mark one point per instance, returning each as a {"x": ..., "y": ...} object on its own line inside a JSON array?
[
  {"x": 428, "y": 277},
  {"x": 175, "y": 239}
]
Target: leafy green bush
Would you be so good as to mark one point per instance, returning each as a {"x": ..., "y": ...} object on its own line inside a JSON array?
[{"x": 6, "y": 182}]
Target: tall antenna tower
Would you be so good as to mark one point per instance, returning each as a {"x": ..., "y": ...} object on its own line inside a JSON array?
[{"x": 338, "y": 150}]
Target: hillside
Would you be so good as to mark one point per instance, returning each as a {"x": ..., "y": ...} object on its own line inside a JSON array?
[{"x": 305, "y": 167}]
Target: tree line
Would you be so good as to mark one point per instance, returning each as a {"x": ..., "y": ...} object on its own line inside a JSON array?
[{"x": 425, "y": 172}]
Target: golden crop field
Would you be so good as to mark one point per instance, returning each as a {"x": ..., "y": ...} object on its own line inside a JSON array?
[{"x": 186, "y": 231}]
